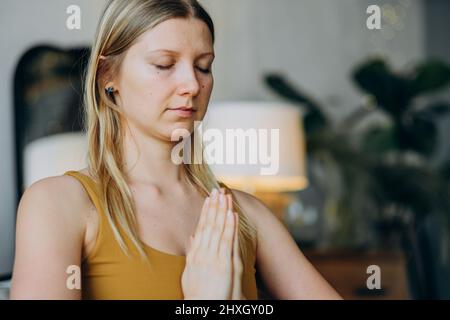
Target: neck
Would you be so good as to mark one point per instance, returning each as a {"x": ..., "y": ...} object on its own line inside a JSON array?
[{"x": 148, "y": 161}]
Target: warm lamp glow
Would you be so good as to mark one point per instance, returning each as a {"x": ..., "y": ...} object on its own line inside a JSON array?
[
  {"x": 259, "y": 120},
  {"x": 266, "y": 184}
]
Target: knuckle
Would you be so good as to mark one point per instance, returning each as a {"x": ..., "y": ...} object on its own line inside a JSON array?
[
  {"x": 222, "y": 209},
  {"x": 228, "y": 226},
  {"x": 216, "y": 229},
  {"x": 228, "y": 234}
]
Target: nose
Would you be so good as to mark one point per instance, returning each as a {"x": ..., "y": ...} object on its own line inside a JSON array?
[{"x": 189, "y": 84}]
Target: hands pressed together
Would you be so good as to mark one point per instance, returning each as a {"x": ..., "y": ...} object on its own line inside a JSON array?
[{"x": 213, "y": 262}]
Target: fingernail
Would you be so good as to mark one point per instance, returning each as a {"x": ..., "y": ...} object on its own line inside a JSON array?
[
  {"x": 214, "y": 194},
  {"x": 229, "y": 214}
]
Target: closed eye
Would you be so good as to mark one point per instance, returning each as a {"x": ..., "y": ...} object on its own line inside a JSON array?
[
  {"x": 170, "y": 66},
  {"x": 164, "y": 67},
  {"x": 204, "y": 70}
]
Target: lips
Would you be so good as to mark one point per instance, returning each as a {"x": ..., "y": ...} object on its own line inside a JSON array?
[
  {"x": 184, "y": 112},
  {"x": 185, "y": 108}
]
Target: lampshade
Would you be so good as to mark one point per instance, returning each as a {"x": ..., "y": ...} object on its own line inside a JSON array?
[
  {"x": 53, "y": 155},
  {"x": 252, "y": 128}
]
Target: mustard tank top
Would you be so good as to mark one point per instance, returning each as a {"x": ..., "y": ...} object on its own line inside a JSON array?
[{"x": 108, "y": 273}]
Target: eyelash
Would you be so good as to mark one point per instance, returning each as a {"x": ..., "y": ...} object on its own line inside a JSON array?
[{"x": 206, "y": 71}]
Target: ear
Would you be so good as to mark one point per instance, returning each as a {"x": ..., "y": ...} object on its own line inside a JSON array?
[
  {"x": 105, "y": 77},
  {"x": 109, "y": 84}
]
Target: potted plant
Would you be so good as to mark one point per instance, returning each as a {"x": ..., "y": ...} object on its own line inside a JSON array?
[{"x": 389, "y": 184}]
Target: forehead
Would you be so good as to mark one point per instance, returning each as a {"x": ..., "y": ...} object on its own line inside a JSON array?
[{"x": 182, "y": 35}]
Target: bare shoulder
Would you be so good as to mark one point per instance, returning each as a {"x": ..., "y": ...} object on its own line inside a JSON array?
[
  {"x": 62, "y": 193},
  {"x": 260, "y": 216},
  {"x": 53, "y": 204},
  {"x": 254, "y": 207},
  {"x": 50, "y": 228}
]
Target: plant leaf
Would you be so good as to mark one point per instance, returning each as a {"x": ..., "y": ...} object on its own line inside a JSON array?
[
  {"x": 314, "y": 118},
  {"x": 390, "y": 90},
  {"x": 430, "y": 77}
]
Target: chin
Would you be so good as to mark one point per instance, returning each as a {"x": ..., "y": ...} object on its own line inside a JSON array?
[{"x": 185, "y": 128}]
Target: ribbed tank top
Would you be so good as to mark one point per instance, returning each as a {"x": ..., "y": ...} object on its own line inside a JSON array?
[{"x": 108, "y": 273}]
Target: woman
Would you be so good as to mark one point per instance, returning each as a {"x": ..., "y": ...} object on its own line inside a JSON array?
[{"x": 135, "y": 224}]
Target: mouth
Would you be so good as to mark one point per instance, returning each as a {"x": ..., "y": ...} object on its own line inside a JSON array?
[{"x": 184, "y": 112}]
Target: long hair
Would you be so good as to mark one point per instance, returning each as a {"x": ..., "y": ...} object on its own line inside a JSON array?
[{"x": 122, "y": 22}]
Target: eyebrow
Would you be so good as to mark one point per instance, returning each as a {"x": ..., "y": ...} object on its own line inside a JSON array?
[{"x": 177, "y": 53}]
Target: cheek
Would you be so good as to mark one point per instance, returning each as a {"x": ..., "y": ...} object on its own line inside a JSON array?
[
  {"x": 207, "y": 84},
  {"x": 143, "y": 93},
  {"x": 206, "y": 89},
  {"x": 137, "y": 85}
]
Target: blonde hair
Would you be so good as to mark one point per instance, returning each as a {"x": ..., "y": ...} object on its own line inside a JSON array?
[{"x": 122, "y": 22}]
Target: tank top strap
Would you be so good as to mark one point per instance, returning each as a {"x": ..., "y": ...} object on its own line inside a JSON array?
[
  {"x": 89, "y": 185},
  {"x": 105, "y": 242}
]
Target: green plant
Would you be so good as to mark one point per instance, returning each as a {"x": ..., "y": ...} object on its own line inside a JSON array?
[
  {"x": 389, "y": 165},
  {"x": 388, "y": 181}
]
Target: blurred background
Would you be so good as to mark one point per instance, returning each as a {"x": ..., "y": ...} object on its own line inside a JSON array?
[{"x": 367, "y": 181}]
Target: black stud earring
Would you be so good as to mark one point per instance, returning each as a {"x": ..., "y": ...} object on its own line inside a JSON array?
[{"x": 109, "y": 90}]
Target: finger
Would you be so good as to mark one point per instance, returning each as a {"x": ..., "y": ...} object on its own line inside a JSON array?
[
  {"x": 201, "y": 223},
  {"x": 230, "y": 201},
  {"x": 205, "y": 235},
  {"x": 219, "y": 224},
  {"x": 236, "y": 238},
  {"x": 237, "y": 262},
  {"x": 228, "y": 197},
  {"x": 226, "y": 241}
]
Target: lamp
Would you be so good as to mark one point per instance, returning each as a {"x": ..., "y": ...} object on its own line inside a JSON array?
[
  {"x": 53, "y": 155},
  {"x": 250, "y": 128}
]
